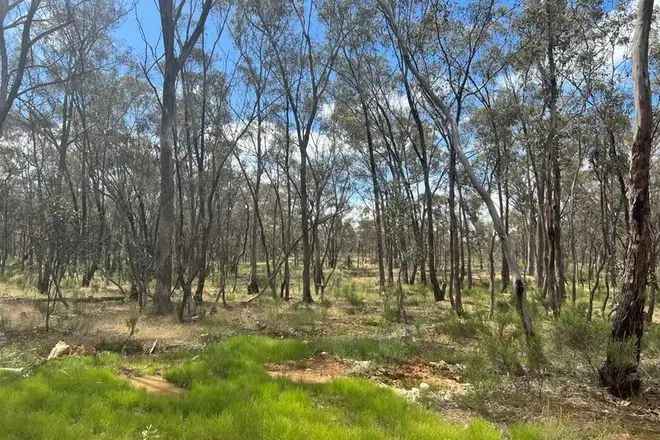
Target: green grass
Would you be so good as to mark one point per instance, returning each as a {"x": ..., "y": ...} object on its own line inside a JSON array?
[
  {"x": 229, "y": 397},
  {"x": 363, "y": 348}
]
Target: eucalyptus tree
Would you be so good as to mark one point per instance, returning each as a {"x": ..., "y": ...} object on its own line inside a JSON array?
[
  {"x": 355, "y": 75},
  {"x": 620, "y": 370},
  {"x": 397, "y": 18},
  {"x": 257, "y": 71},
  {"x": 304, "y": 63},
  {"x": 24, "y": 26},
  {"x": 176, "y": 48},
  {"x": 129, "y": 179},
  {"x": 420, "y": 144}
]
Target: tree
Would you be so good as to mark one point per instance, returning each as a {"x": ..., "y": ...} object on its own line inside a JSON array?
[
  {"x": 33, "y": 29},
  {"x": 304, "y": 84},
  {"x": 170, "y": 18},
  {"x": 447, "y": 122},
  {"x": 620, "y": 370}
]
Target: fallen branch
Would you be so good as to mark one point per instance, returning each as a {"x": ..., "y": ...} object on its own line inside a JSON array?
[{"x": 91, "y": 299}]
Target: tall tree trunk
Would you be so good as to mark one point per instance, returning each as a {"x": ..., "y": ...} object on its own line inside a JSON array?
[
  {"x": 620, "y": 370},
  {"x": 253, "y": 285},
  {"x": 421, "y": 150},
  {"x": 163, "y": 303},
  {"x": 491, "y": 271},
  {"x": 304, "y": 217},
  {"x": 173, "y": 63},
  {"x": 376, "y": 190}
]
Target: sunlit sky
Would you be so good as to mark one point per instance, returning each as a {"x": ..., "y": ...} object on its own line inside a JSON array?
[{"x": 145, "y": 14}]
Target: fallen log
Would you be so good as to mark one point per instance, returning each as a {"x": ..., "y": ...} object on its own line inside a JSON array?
[{"x": 89, "y": 299}]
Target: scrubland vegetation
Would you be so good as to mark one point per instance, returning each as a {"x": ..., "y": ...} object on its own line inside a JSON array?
[{"x": 329, "y": 219}]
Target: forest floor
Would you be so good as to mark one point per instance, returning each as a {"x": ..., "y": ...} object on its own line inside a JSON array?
[{"x": 363, "y": 370}]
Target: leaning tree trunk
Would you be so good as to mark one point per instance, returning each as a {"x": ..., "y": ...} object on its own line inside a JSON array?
[
  {"x": 449, "y": 124},
  {"x": 620, "y": 370}
]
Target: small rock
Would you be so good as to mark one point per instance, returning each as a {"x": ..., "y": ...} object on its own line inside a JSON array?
[
  {"x": 59, "y": 350},
  {"x": 360, "y": 367},
  {"x": 424, "y": 387},
  {"x": 81, "y": 350},
  {"x": 411, "y": 395}
]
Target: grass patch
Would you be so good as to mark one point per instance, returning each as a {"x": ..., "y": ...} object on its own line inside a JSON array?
[
  {"x": 230, "y": 397},
  {"x": 461, "y": 328},
  {"x": 378, "y": 350}
]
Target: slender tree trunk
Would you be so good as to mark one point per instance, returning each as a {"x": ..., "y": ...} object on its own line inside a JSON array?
[
  {"x": 421, "y": 149},
  {"x": 253, "y": 285},
  {"x": 304, "y": 217},
  {"x": 491, "y": 267},
  {"x": 376, "y": 190}
]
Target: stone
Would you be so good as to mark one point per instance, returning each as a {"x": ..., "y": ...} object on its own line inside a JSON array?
[{"x": 59, "y": 350}]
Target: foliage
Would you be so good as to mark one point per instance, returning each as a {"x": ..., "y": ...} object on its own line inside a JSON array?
[
  {"x": 349, "y": 291},
  {"x": 464, "y": 327},
  {"x": 574, "y": 332},
  {"x": 230, "y": 397},
  {"x": 368, "y": 348}
]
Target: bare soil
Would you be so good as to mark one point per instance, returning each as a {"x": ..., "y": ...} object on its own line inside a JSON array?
[
  {"x": 319, "y": 369},
  {"x": 151, "y": 384}
]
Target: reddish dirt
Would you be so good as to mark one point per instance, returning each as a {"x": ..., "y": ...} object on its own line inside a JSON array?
[
  {"x": 318, "y": 369},
  {"x": 410, "y": 374},
  {"x": 151, "y": 384}
]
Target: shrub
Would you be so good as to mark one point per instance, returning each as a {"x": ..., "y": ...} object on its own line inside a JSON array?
[
  {"x": 505, "y": 346},
  {"x": 651, "y": 340},
  {"x": 585, "y": 338},
  {"x": 392, "y": 305},
  {"x": 367, "y": 348},
  {"x": 348, "y": 291},
  {"x": 463, "y": 327}
]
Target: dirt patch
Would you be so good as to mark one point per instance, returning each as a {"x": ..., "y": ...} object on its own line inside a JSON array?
[
  {"x": 439, "y": 376},
  {"x": 151, "y": 384},
  {"x": 318, "y": 369},
  {"x": 19, "y": 316}
]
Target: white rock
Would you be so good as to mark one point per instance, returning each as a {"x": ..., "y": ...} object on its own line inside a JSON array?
[
  {"x": 58, "y": 350},
  {"x": 413, "y": 395},
  {"x": 424, "y": 387},
  {"x": 360, "y": 367}
]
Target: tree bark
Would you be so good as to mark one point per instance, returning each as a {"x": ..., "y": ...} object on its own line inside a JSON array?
[
  {"x": 173, "y": 63},
  {"x": 620, "y": 370}
]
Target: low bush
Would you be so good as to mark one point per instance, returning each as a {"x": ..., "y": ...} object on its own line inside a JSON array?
[
  {"x": 349, "y": 292},
  {"x": 574, "y": 332},
  {"x": 390, "y": 349},
  {"x": 464, "y": 327}
]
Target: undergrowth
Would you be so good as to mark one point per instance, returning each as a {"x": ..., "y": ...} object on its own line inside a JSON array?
[{"x": 229, "y": 396}]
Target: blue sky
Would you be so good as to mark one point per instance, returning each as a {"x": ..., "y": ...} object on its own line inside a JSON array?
[
  {"x": 128, "y": 32},
  {"x": 146, "y": 14}
]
